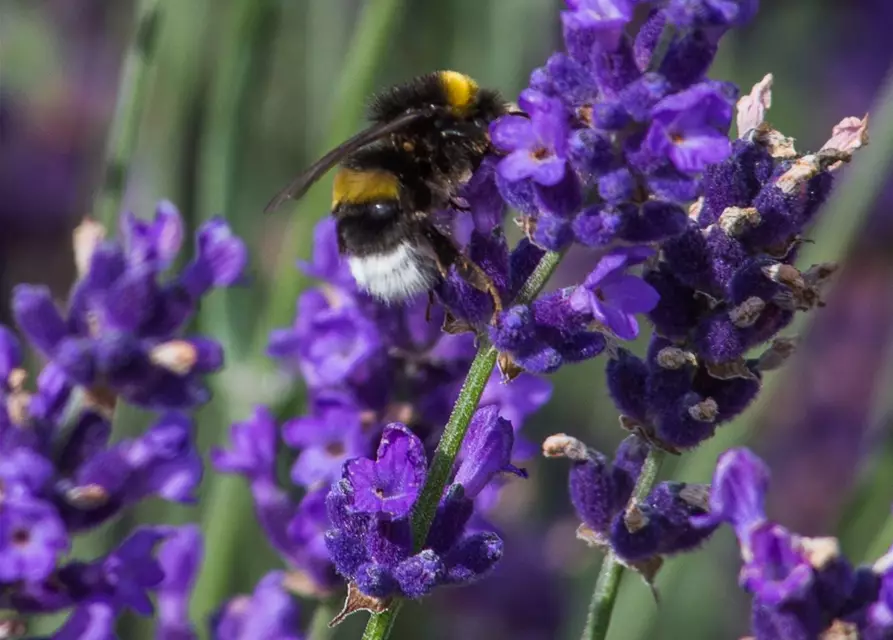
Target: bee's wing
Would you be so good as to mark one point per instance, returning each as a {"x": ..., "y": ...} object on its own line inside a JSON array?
[{"x": 299, "y": 186}]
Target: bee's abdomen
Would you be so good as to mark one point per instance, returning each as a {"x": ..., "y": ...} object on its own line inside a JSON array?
[{"x": 394, "y": 275}]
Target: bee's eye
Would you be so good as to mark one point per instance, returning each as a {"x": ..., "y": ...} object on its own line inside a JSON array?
[{"x": 381, "y": 209}]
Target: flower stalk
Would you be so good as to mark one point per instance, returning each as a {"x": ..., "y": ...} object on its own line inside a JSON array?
[
  {"x": 608, "y": 585},
  {"x": 380, "y": 625},
  {"x": 132, "y": 88}
]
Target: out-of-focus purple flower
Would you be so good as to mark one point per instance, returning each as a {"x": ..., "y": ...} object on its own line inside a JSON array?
[
  {"x": 32, "y": 537},
  {"x": 270, "y": 613},
  {"x": 801, "y": 586},
  {"x": 328, "y": 438},
  {"x": 179, "y": 556},
  {"x": 614, "y": 297},
  {"x": 332, "y": 340},
  {"x": 293, "y": 529},
  {"x": 122, "y": 330},
  {"x": 738, "y": 492}
]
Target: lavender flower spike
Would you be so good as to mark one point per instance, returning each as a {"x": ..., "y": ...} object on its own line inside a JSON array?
[{"x": 123, "y": 330}]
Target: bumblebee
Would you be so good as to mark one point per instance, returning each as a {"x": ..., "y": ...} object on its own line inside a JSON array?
[{"x": 426, "y": 139}]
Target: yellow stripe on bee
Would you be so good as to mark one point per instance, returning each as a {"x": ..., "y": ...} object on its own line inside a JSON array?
[
  {"x": 460, "y": 89},
  {"x": 357, "y": 187}
]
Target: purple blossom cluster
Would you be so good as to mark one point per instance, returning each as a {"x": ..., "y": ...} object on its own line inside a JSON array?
[
  {"x": 371, "y": 539},
  {"x": 269, "y": 613},
  {"x": 618, "y": 134},
  {"x": 639, "y": 532},
  {"x": 121, "y": 334},
  {"x": 802, "y": 587},
  {"x": 60, "y": 475}
]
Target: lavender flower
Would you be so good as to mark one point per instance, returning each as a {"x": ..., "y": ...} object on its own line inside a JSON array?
[
  {"x": 371, "y": 540},
  {"x": 641, "y": 532},
  {"x": 801, "y": 586},
  {"x": 614, "y": 297},
  {"x": 60, "y": 479},
  {"x": 122, "y": 331}
]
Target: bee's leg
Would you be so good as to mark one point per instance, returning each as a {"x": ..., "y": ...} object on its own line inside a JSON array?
[
  {"x": 446, "y": 254},
  {"x": 478, "y": 278},
  {"x": 459, "y": 204},
  {"x": 429, "y": 306}
]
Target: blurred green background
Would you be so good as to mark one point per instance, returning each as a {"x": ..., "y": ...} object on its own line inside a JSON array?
[{"x": 244, "y": 93}]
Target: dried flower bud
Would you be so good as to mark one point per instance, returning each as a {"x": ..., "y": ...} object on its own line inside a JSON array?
[
  {"x": 748, "y": 312},
  {"x": 87, "y": 497},
  {"x": 730, "y": 370},
  {"x": 86, "y": 237},
  {"x": 634, "y": 518},
  {"x": 704, "y": 411},
  {"x": 561, "y": 445},
  {"x": 736, "y": 220},
  {"x": 357, "y": 601},
  {"x": 752, "y": 108},
  {"x": 675, "y": 358},
  {"x": 820, "y": 551},
  {"x": 847, "y": 136},
  {"x": 11, "y": 628},
  {"x": 697, "y": 495},
  {"x": 778, "y": 145},
  {"x": 177, "y": 356},
  {"x": 777, "y": 354}
]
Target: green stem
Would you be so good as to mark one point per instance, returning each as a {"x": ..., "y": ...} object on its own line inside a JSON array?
[
  {"x": 608, "y": 584},
  {"x": 379, "y": 625},
  {"x": 132, "y": 89}
]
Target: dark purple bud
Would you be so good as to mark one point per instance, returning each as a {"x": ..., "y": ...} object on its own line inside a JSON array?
[
  {"x": 718, "y": 339},
  {"x": 418, "y": 575},
  {"x": 553, "y": 233},
  {"x": 677, "y": 310},
  {"x": 627, "y": 379},
  {"x": 736, "y": 181},
  {"x": 450, "y": 520},
  {"x": 570, "y": 80},
  {"x": 472, "y": 558},
  {"x": 376, "y": 580},
  {"x": 640, "y": 96},
  {"x": 591, "y": 153},
  {"x": 486, "y": 450},
  {"x": 595, "y": 227},
  {"x": 617, "y": 186},
  {"x": 652, "y": 221},
  {"x": 688, "y": 58},
  {"x": 687, "y": 422}
]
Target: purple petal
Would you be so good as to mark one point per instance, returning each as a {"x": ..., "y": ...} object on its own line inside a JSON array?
[
  {"x": 90, "y": 621},
  {"x": 38, "y": 317},
  {"x": 510, "y": 133},
  {"x": 180, "y": 556},
  {"x": 630, "y": 294},
  {"x": 549, "y": 171},
  {"x": 516, "y": 166}
]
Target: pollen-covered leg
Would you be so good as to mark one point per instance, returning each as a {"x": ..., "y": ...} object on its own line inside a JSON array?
[{"x": 478, "y": 278}]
